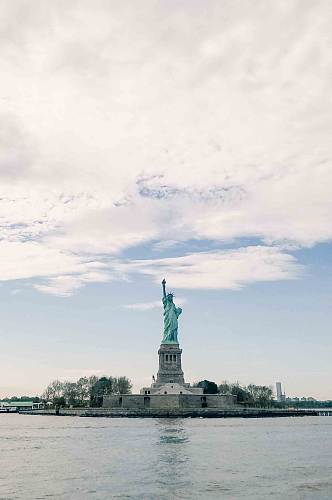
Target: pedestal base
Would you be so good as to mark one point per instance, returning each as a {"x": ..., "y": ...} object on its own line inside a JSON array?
[{"x": 170, "y": 370}]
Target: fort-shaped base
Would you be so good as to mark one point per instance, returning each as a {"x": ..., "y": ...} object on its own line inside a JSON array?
[{"x": 170, "y": 377}]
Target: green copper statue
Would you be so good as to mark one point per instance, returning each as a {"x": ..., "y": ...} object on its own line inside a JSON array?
[{"x": 171, "y": 314}]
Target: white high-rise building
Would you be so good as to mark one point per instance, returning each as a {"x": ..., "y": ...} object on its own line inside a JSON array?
[{"x": 280, "y": 395}]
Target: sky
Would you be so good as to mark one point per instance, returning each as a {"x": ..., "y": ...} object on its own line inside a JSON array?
[{"x": 181, "y": 139}]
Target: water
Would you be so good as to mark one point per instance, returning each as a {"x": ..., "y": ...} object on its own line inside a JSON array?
[{"x": 46, "y": 457}]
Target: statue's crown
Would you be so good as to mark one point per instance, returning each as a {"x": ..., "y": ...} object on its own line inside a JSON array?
[{"x": 171, "y": 294}]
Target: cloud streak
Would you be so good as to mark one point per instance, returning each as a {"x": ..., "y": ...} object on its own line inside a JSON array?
[
  {"x": 230, "y": 270},
  {"x": 145, "y": 306}
]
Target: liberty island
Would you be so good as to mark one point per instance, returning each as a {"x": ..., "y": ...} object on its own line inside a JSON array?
[
  {"x": 169, "y": 395},
  {"x": 170, "y": 391}
]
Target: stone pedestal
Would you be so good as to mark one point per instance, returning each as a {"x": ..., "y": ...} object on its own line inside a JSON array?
[
  {"x": 170, "y": 370},
  {"x": 170, "y": 378}
]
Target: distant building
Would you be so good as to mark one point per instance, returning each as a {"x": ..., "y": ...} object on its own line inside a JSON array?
[
  {"x": 26, "y": 405},
  {"x": 280, "y": 396}
]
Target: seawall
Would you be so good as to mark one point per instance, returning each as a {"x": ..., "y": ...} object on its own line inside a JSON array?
[{"x": 175, "y": 413}]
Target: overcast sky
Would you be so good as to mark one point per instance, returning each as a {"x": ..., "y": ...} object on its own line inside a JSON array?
[{"x": 180, "y": 139}]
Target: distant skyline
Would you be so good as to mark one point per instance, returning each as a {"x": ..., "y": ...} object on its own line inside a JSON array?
[{"x": 186, "y": 140}]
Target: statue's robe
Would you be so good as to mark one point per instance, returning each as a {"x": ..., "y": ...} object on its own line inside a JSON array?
[{"x": 171, "y": 314}]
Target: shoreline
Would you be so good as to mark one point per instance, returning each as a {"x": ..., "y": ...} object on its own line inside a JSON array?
[{"x": 201, "y": 413}]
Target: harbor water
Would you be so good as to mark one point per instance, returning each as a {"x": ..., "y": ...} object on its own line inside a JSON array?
[{"x": 46, "y": 457}]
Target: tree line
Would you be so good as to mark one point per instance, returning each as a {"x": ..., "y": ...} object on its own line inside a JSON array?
[
  {"x": 250, "y": 395},
  {"x": 13, "y": 399},
  {"x": 87, "y": 391},
  {"x": 304, "y": 404}
]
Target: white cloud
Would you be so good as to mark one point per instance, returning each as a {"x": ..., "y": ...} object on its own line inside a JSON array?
[
  {"x": 16, "y": 152},
  {"x": 15, "y": 292},
  {"x": 62, "y": 286},
  {"x": 230, "y": 269},
  {"x": 64, "y": 272},
  {"x": 145, "y": 306},
  {"x": 161, "y": 246},
  {"x": 174, "y": 122}
]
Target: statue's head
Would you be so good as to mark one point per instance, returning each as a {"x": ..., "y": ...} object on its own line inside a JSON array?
[{"x": 170, "y": 297}]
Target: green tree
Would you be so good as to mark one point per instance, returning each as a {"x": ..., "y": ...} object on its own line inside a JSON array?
[
  {"x": 82, "y": 390},
  {"x": 101, "y": 388},
  {"x": 70, "y": 393},
  {"x": 252, "y": 395},
  {"x": 123, "y": 385},
  {"x": 243, "y": 396},
  {"x": 60, "y": 401},
  {"x": 225, "y": 387},
  {"x": 85, "y": 390},
  {"x": 54, "y": 390},
  {"x": 262, "y": 395},
  {"x": 24, "y": 398},
  {"x": 207, "y": 386}
]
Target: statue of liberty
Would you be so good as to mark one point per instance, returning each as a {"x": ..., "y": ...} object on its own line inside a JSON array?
[{"x": 171, "y": 314}]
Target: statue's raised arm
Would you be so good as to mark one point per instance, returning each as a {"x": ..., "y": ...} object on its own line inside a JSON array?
[
  {"x": 171, "y": 314},
  {"x": 164, "y": 288}
]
